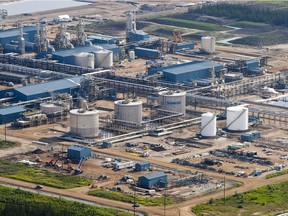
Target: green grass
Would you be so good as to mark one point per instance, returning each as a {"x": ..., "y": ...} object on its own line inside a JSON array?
[
  {"x": 273, "y": 175},
  {"x": 129, "y": 198},
  {"x": 8, "y": 144},
  {"x": 15, "y": 202},
  {"x": 41, "y": 176},
  {"x": 247, "y": 24},
  {"x": 268, "y": 200},
  {"x": 189, "y": 24}
]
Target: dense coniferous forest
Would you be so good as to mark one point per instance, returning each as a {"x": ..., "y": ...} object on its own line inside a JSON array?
[{"x": 253, "y": 12}]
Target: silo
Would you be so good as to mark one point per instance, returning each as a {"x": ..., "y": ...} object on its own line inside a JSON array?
[
  {"x": 208, "y": 125},
  {"x": 84, "y": 123},
  {"x": 129, "y": 111},
  {"x": 84, "y": 59},
  {"x": 173, "y": 101},
  {"x": 208, "y": 44},
  {"x": 237, "y": 118},
  {"x": 49, "y": 108},
  {"x": 103, "y": 58},
  {"x": 131, "y": 55}
]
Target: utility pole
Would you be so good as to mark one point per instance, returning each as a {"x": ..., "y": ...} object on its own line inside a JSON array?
[
  {"x": 5, "y": 133},
  {"x": 134, "y": 199},
  {"x": 164, "y": 204},
  {"x": 224, "y": 190}
]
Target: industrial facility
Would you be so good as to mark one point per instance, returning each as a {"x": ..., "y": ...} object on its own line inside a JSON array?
[{"x": 135, "y": 108}]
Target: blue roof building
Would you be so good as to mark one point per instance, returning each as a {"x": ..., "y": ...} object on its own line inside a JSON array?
[
  {"x": 137, "y": 36},
  {"x": 10, "y": 114},
  {"x": 43, "y": 90},
  {"x": 156, "y": 179},
  {"x": 142, "y": 166},
  {"x": 7, "y": 36},
  {"x": 104, "y": 39},
  {"x": 187, "y": 72},
  {"x": 78, "y": 152}
]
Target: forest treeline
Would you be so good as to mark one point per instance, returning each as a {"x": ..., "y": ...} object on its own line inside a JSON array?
[
  {"x": 15, "y": 202},
  {"x": 263, "y": 13}
]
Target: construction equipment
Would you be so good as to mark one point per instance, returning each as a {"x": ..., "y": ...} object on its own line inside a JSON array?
[
  {"x": 78, "y": 169},
  {"x": 177, "y": 37}
]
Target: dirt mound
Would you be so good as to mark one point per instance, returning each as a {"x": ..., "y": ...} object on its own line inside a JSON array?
[{"x": 38, "y": 151}]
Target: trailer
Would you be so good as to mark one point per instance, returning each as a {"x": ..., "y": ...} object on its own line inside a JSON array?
[{"x": 124, "y": 165}]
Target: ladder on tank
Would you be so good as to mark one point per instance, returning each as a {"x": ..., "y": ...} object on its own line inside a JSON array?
[
  {"x": 214, "y": 116},
  {"x": 236, "y": 119}
]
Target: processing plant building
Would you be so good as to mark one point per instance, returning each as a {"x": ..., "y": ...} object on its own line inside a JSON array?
[{"x": 187, "y": 72}]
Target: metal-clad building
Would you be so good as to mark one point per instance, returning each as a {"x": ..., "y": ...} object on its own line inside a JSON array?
[
  {"x": 78, "y": 152},
  {"x": 10, "y": 114},
  {"x": 147, "y": 53},
  {"x": 7, "y": 36},
  {"x": 156, "y": 179},
  {"x": 187, "y": 72},
  {"x": 252, "y": 64},
  {"x": 185, "y": 45},
  {"x": 137, "y": 36},
  {"x": 142, "y": 166},
  {"x": 43, "y": 90},
  {"x": 104, "y": 39}
]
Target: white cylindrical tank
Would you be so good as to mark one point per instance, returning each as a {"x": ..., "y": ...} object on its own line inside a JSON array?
[
  {"x": 208, "y": 44},
  {"x": 103, "y": 58},
  {"x": 84, "y": 59},
  {"x": 84, "y": 123},
  {"x": 237, "y": 118},
  {"x": 131, "y": 55},
  {"x": 173, "y": 101},
  {"x": 208, "y": 125},
  {"x": 130, "y": 111},
  {"x": 49, "y": 108}
]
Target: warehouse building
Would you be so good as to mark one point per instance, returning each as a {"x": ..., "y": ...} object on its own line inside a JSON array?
[
  {"x": 10, "y": 114},
  {"x": 105, "y": 39},
  {"x": 43, "y": 90},
  {"x": 142, "y": 166},
  {"x": 78, "y": 152},
  {"x": 147, "y": 53},
  {"x": 187, "y": 72},
  {"x": 156, "y": 179},
  {"x": 9, "y": 35}
]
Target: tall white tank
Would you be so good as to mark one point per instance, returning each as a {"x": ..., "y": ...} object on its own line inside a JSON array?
[
  {"x": 84, "y": 59},
  {"x": 84, "y": 123},
  {"x": 103, "y": 58},
  {"x": 208, "y": 44},
  {"x": 208, "y": 125},
  {"x": 237, "y": 118},
  {"x": 49, "y": 108},
  {"x": 131, "y": 55},
  {"x": 173, "y": 101},
  {"x": 130, "y": 111}
]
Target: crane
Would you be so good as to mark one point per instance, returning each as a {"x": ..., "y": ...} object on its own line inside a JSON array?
[{"x": 78, "y": 169}]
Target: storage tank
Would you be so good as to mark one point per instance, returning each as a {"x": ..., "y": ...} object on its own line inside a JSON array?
[
  {"x": 49, "y": 108},
  {"x": 237, "y": 118},
  {"x": 128, "y": 110},
  {"x": 84, "y": 59},
  {"x": 208, "y": 44},
  {"x": 131, "y": 55},
  {"x": 103, "y": 58},
  {"x": 84, "y": 123},
  {"x": 173, "y": 101},
  {"x": 208, "y": 125}
]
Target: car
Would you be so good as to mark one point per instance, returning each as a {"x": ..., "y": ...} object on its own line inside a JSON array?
[
  {"x": 136, "y": 205},
  {"x": 38, "y": 187}
]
